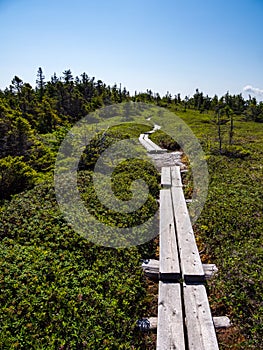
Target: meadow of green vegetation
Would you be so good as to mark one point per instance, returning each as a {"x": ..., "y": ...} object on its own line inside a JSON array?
[
  {"x": 230, "y": 226},
  {"x": 60, "y": 291}
]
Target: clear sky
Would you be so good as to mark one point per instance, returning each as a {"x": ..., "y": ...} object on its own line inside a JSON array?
[{"x": 162, "y": 45}]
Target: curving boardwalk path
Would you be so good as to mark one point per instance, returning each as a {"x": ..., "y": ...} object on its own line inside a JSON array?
[{"x": 184, "y": 318}]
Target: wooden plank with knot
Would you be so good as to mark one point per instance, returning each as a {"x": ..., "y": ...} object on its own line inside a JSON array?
[{"x": 200, "y": 328}]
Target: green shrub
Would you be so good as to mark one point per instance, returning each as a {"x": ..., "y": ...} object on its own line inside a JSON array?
[
  {"x": 15, "y": 176},
  {"x": 58, "y": 291}
]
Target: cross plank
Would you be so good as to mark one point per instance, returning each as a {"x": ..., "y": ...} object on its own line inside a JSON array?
[{"x": 151, "y": 269}]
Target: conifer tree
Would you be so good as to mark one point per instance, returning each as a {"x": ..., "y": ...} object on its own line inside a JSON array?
[{"x": 40, "y": 83}]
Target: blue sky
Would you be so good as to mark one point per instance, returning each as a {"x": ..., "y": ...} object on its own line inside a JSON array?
[{"x": 168, "y": 45}]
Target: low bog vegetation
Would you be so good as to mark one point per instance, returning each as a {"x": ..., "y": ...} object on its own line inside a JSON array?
[
  {"x": 230, "y": 227},
  {"x": 59, "y": 291}
]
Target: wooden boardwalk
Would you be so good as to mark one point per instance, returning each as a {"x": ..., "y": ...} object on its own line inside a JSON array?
[
  {"x": 169, "y": 259},
  {"x": 150, "y": 146},
  {"x": 170, "y": 328},
  {"x": 184, "y": 319},
  {"x": 184, "y": 316},
  {"x": 174, "y": 212}
]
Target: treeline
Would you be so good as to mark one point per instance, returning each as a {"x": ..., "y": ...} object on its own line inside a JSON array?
[
  {"x": 64, "y": 100},
  {"x": 250, "y": 109},
  {"x": 60, "y": 101},
  {"x": 28, "y": 114}
]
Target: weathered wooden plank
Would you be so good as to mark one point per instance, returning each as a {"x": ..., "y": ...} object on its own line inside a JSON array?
[
  {"x": 145, "y": 143},
  {"x": 151, "y": 143},
  {"x": 153, "y": 322},
  {"x": 169, "y": 259},
  {"x": 149, "y": 148},
  {"x": 166, "y": 180},
  {"x": 199, "y": 323},
  {"x": 220, "y": 322},
  {"x": 176, "y": 176},
  {"x": 170, "y": 331},
  {"x": 157, "y": 148},
  {"x": 191, "y": 266},
  {"x": 151, "y": 269}
]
